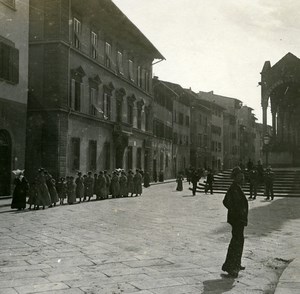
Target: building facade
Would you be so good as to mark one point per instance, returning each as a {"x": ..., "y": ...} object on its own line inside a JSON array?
[
  {"x": 247, "y": 134},
  {"x": 231, "y": 127},
  {"x": 162, "y": 129},
  {"x": 13, "y": 88},
  {"x": 90, "y": 90}
]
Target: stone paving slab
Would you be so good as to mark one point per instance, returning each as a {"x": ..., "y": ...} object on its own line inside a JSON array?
[{"x": 162, "y": 242}]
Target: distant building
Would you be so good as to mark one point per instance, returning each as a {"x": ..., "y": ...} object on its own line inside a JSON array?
[
  {"x": 200, "y": 132},
  {"x": 247, "y": 134},
  {"x": 90, "y": 92},
  {"x": 231, "y": 127},
  {"x": 162, "y": 129},
  {"x": 217, "y": 131},
  {"x": 13, "y": 88},
  {"x": 181, "y": 128}
]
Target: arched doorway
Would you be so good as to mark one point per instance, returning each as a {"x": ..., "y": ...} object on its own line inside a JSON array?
[{"x": 5, "y": 162}]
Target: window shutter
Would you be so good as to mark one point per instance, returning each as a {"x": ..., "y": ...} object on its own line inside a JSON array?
[
  {"x": 14, "y": 65},
  {"x": 81, "y": 98},
  {"x": 72, "y": 101}
]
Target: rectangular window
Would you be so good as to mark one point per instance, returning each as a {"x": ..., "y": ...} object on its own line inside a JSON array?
[
  {"x": 75, "y": 153},
  {"x": 187, "y": 120},
  {"x": 120, "y": 62},
  {"x": 139, "y": 158},
  {"x": 205, "y": 142},
  {"x": 94, "y": 44},
  {"x": 180, "y": 118},
  {"x": 92, "y": 155},
  {"x": 106, "y": 106},
  {"x": 9, "y": 63},
  {"x": 130, "y": 113},
  {"x": 77, "y": 32},
  {"x": 93, "y": 102},
  {"x": 108, "y": 62},
  {"x": 139, "y": 76},
  {"x": 139, "y": 118},
  {"x": 219, "y": 147},
  {"x": 130, "y": 69},
  {"x": 167, "y": 160},
  {"x": 10, "y": 3},
  {"x": 200, "y": 119},
  {"x": 147, "y": 81},
  {"x": 147, "y": 121},
  {"x": 143, "y": 82},
  {"x": 77, "y": 96}
]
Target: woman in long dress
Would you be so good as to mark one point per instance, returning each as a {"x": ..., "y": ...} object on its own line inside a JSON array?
[
  {"x": 137, "y": 183},
  {"x": 130, "y": 188},
  {"x": 179, "y": 182},
  {"x": 51, "y": 184},
  {"x": 79, "y": 186},
  {"x": 44, "y": 198},
  {"x": 71, "y": 190},
  {"x": 20, "y": 191}
]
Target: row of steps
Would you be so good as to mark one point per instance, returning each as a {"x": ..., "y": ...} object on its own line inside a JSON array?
[{"x": 286, "y": 183}]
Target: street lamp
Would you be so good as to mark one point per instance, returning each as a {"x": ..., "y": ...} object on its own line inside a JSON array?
[{"x": 267, "y": 139}]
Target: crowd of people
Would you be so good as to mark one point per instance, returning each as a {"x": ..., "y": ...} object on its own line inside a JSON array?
[{"x": 45, "y": 191}]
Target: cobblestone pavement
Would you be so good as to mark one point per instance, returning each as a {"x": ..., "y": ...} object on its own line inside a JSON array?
[{"x": 165, "y": 242}]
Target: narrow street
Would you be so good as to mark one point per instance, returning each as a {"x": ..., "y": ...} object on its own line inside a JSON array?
[{"x": 163, "y": 242}]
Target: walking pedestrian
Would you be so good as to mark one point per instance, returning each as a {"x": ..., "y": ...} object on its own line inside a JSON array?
[
  {"x": 237, "y": 205},
  {"x": 179, "y": 182},
  {"x": 44, "y": 198},
  {"x": 61, "y": 188},
  {"x": 79, "y": 187},
  {"x": 146, "y": 179},
  {"x": 89, "y": 183},
  {"x": 20, "y": 190},
  {"x": 195, "y": 177},
  {"x": 269, "y": 181},
  {"x": 253, "y": 181},
  {"x": 123, "y": 184},
  {"x": 71, "y": 190},
  {"x": 101, "y": 183},
  {"x": 137, "y": 183},
  {"x": 32, "y": 195},
  {"x": 130, "y": 186},
  {"x": 50, "y": 182},
  {"x": 209, "y": 182},
  {"x": 115, "y": 185}
]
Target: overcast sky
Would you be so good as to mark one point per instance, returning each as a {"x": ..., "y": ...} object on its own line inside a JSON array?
[{"x": 218, "y": 45}]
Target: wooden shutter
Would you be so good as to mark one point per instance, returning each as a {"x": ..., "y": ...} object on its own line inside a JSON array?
[
  {"x": 14, "y": 64},
  {"x": 72, "y": 96}
]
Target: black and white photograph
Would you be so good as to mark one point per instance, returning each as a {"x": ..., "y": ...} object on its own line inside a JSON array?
[{"x": 149, "y": 147}]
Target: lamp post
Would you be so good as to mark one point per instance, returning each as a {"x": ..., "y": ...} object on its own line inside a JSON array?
[{"x": 267, "y": 139}]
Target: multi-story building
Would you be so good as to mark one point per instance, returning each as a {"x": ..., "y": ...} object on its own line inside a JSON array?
[
  {"x": 90, "y": 89},
  {"x": 217, "y": 123},
  {"x": 162, "y": 129},
  {"x": 247, "y": 133},
  {"x": 181, "y": 127},
  {"x": 231, "y": 140},
  {"x": 200, "y": 132},
  {"x": 13, "y": 88}
]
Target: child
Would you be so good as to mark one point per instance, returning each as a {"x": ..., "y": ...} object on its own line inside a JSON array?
[{"x": 62, "y": 190}]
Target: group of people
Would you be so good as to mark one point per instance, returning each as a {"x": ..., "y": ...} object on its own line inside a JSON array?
[
  {"x": 257, "y": 176},
  {"x": 45, "y": 191}
]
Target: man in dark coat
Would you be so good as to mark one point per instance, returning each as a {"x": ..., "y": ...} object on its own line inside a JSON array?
[
  {"x": 195, "y": 179},
  {"x": 253, "y": 180},
  {"x": 236, "y": 203},
  {"x": 269, "y": 181}
]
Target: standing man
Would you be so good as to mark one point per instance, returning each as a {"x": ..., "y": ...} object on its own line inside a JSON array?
[
  {"x": 195, "y": 179},
  {"x": 269, "y": 181},
  {"x": 253, "y": 179},
  {"x": 236, "y": 203},
  {"x": 209, "y": 181}
]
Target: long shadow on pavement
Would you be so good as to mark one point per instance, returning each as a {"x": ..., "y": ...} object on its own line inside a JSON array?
[
  {"x": 218, "y": 286},
  {"x": 265, "y": 219}
]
